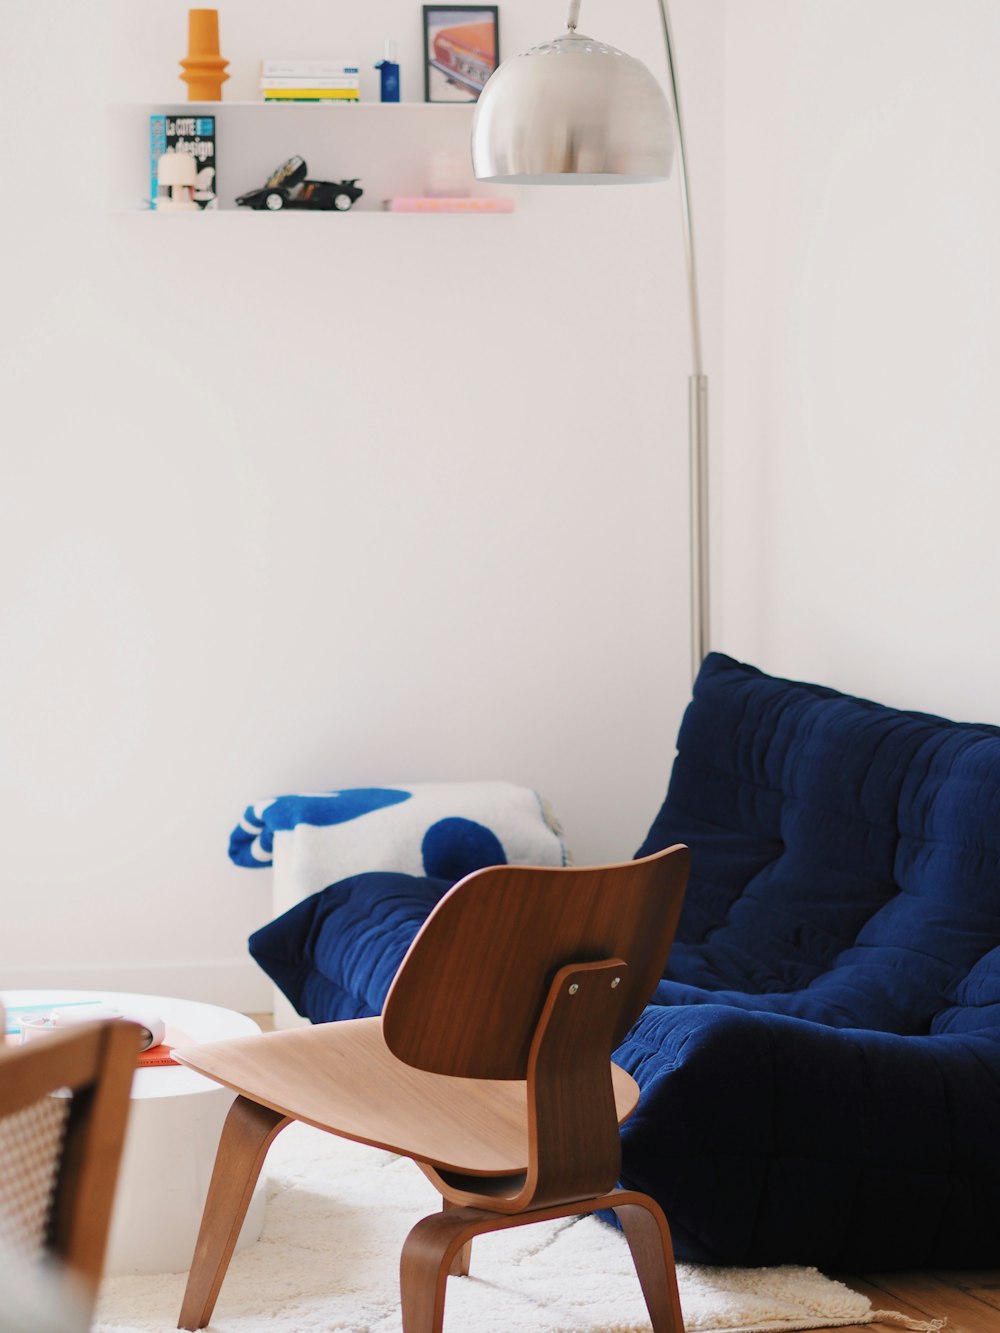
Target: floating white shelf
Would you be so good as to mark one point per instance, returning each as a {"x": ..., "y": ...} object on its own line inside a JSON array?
[
  {"x": 392, "y": 148},
  {"x": 355, "y": 212},
  {"x": 210, "y": 108}
]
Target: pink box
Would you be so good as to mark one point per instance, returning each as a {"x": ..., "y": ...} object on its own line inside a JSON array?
[{"x": 438, "y": 204}]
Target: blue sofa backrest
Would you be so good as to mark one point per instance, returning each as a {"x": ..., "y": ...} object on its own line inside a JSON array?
[{"x": 845, "y": 857}]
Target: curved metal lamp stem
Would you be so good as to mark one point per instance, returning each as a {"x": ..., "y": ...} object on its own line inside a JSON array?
[
  {"x": 697, "y": 392},
  {"x": 533, "y": 125}
]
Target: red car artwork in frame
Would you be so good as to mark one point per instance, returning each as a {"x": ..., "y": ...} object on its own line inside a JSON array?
[{"x": 461, "y": 51}]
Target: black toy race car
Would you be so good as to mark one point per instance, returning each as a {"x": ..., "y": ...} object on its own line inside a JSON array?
[{"x": 288, "y": 188}]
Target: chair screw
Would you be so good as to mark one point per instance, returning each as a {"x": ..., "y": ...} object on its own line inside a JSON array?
[
  {"x": 616, "y": 982},
  {"x": 574, "y": 988}
]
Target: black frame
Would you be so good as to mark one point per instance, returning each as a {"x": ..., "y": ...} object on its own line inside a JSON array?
[{"x": 488, "y": 12}]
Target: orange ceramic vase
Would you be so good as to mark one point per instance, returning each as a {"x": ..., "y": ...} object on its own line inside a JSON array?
[{"x": 204, "y": 69}]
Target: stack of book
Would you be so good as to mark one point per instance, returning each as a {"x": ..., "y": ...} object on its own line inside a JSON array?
[{"x": 310, "y": 81}]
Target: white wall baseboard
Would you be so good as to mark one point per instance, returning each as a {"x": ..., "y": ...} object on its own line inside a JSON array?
[{"x": 234, "y": 985}]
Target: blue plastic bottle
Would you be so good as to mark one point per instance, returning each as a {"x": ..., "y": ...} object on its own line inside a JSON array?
[{"x": 389, "y": 72}]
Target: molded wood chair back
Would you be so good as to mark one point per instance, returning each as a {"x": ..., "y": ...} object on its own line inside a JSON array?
[{"x": 470, "y": 989}]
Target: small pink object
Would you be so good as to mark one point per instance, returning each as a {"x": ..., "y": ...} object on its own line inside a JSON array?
[{"x": 437, "y": 204}]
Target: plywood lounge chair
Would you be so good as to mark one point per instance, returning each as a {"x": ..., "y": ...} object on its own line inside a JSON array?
[
  {"x": 490, "y": 1067},
  {"x": 64, "y": 1104}
]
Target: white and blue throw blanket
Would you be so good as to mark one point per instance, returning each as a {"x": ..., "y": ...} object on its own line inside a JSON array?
[{"x": 441, "y": 829}]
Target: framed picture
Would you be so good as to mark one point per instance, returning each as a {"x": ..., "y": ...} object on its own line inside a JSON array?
[{"x": 461, "y": 51}]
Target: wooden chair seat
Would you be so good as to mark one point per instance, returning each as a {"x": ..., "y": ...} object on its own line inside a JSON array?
[{"x": 342, "y": 1077}]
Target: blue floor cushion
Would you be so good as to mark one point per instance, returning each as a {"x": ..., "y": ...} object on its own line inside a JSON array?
[{"x": 820, "y": 1067}]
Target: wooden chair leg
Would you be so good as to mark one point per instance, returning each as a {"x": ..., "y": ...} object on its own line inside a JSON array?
[
  {"x": 649, "y": 1240},
  {"x": 434, "y": 1247},
  {"x": 246, "y": 1136},
  {"x": 460, "y": 1267},
  {"x": 432, "y": 1250}
]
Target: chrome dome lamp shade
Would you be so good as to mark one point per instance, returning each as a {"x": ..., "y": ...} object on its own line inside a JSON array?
[
  {"x": 572, "y": 112},
  {"x": 575, "y": 111}
]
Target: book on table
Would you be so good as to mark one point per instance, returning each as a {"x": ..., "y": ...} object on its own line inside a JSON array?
[{"x": 70, "y": 1012}]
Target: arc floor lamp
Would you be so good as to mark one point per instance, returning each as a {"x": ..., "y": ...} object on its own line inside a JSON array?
[{"x": 577, "y": 111}]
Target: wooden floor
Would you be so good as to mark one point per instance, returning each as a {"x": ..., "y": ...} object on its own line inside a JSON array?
[{"x": 969, "y": 1300}]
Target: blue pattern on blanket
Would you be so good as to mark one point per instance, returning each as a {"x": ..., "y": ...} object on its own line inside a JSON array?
[
  {"x": 251, "y": 843},
  {"x": 441, "y": 829},
  {"x": 453, "y": 848}
]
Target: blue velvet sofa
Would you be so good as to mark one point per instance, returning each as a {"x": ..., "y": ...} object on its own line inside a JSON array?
[{"x": 820, "y": 1067}]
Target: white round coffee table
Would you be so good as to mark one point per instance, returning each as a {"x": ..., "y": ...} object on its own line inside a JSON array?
[{"x": 175, "y": 1122}]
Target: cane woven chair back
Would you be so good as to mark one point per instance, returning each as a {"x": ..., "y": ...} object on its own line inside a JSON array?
[{"x": 63, "y": 1107}]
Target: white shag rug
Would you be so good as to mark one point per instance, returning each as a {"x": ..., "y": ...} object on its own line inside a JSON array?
[{"x": 328, "y": 1259}]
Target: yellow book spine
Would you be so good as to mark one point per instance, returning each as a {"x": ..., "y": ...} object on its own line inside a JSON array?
[{"x": 311, "y": 95}]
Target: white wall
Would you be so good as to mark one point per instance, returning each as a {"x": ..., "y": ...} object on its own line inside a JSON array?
[
  {"x": 276, "y": 516},
  {"x": 858, "y": 480},
  {"x": 241, "y": 553}
]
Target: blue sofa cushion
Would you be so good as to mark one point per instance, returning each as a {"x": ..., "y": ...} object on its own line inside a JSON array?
[
  {"x": 820, "y": 1067},
  {"x": 845, "y": 855},
  {"x": 335, "y": 953},
  {"x": 772, "y": 1140}
]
